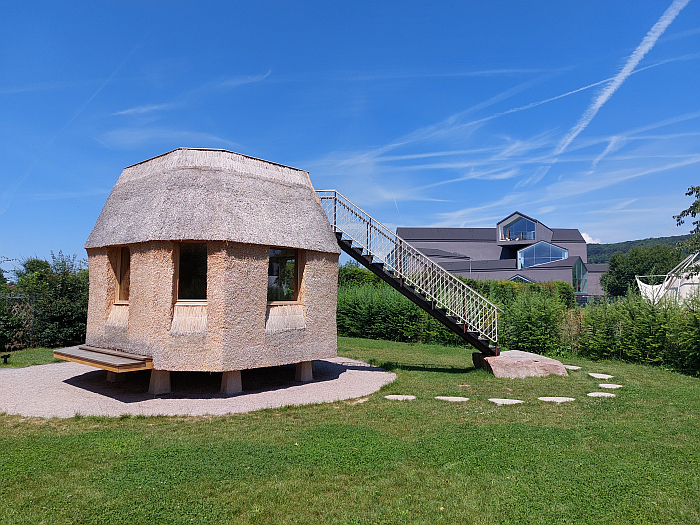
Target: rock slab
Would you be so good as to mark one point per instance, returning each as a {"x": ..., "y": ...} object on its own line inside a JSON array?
[{"x": 519, "y": 364}]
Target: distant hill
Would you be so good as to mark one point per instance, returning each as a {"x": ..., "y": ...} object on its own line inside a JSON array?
[{"x": 600, "y": 253}]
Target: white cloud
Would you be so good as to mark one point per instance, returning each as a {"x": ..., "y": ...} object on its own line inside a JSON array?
[{"x": 589, "y": 239}]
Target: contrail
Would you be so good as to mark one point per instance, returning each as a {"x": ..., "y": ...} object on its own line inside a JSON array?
[
  {"x": 10, "y": 191},
  {"x": 647, "y": 43}
]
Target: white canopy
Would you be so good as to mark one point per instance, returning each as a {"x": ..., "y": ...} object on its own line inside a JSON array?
[{"x": 679, "y": 284}]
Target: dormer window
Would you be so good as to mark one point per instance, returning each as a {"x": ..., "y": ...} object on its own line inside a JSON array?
[
  {"x": 540, "y": 253},
  {"x": 519, "y": 229}
]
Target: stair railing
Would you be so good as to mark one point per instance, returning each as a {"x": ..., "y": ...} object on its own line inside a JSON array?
[{"x": 405, "y": 262}]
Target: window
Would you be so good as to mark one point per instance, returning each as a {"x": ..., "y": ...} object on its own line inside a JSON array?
[
  {"x": 282, "y": 275},
  {"x": 123, "y": 274},
  {"x": 518, "y": 229},
  {"x": 192, "y": 272},
  {"x": 520, "y": 279},
  {"x": 540, "y": 253},
  {"x": 579, "y": 278}
]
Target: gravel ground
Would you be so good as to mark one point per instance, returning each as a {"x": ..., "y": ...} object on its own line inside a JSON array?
[{"x": 66, "y": 389}]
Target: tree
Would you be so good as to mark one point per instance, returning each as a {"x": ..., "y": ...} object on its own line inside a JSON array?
[
  {"x": 654, "y": 260},
  {"x": 692, "y": 243}
]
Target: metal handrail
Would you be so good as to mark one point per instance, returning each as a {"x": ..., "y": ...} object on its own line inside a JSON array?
[{"x": 405, "y": 262}]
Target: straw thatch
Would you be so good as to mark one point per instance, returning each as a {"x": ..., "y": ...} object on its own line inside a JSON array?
[{"x": 213, "y": 195}]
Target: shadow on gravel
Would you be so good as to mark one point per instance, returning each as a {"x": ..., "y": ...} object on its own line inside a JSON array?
[{"x": 205, "y": 385}]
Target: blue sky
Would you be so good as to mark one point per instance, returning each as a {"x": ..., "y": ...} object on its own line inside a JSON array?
[{"x": 580, "y": 114}]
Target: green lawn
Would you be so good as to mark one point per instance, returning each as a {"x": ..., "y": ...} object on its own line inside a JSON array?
[
  {"x": 630, "y": 459},
  {"x": 29, "y": 357}
]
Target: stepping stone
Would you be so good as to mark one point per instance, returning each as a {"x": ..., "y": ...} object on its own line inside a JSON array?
[
  {"x": 396, "y": 397},
  {"x": 600, "y": 376},
  {"x": 500, "y": 402},
  {"x": 601, "y": 394},
  {"x": 609, "y": 385},
  {"x": 572, "y": 367},
  {"x": 557, "y": 399},
  {"x": 455, "y": 399}
]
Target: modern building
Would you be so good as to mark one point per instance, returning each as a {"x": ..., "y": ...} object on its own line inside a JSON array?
[
  {"x": 519, "y": 248},
  {"x": 208, "y": 260}
]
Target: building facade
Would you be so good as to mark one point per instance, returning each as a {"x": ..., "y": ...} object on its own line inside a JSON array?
[{"x": 519, "y": 248}]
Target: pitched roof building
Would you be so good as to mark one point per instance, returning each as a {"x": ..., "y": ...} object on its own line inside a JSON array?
[{"x": 518, "y": 248}]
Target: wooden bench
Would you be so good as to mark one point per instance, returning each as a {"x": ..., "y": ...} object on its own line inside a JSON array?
[{"x": 110, "y": 360}]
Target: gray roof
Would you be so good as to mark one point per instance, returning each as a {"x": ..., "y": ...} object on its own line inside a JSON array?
[
  {"x": 597, "y": 268},
  {"x": 213, "y": 195},
  {"x": 447, "y": 234},
  {"x": 566, "y": 235}
]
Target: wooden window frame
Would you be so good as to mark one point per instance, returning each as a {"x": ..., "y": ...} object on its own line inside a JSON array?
[
  {"x": 297, "y": 276},
  {"x": 118, "y": 276},
  {"x": 176, "y": 287}
]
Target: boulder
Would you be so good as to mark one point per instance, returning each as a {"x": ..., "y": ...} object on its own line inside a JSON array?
[{"x": 516, "y": 363}]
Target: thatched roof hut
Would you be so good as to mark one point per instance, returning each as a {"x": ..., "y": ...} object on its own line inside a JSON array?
[{"x": 208, "y": 260}]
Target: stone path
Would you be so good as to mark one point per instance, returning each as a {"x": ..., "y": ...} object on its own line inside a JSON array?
[
  {"x": 548, "y": 399},
  {"x": 600, "y": 376},
  {"x": 500, "y": 402}
]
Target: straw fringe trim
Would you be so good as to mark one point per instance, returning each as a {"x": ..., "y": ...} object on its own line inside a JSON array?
[
  {"x": 189, "y": 320},
  {"x": 283, "y": 318}
]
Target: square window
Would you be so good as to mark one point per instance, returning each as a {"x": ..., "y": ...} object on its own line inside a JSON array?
[
  {"x": 192, "y": 272},
  {"x": 282, "y": 275}
]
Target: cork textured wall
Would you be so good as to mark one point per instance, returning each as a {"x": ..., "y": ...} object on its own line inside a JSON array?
[{"x": 233, "y": 336}]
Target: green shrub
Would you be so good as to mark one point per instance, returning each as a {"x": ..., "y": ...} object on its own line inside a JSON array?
[{"x": 533, "y": 323}]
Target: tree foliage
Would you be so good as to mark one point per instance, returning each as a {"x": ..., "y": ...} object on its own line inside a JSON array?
[
  {"x": 692, "y": 243},
  {"x": 654, "y": 260},
  {"x": 48, "y": 304}
]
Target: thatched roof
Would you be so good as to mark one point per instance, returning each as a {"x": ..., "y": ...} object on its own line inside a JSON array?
[{"x": 213, "y": 195}]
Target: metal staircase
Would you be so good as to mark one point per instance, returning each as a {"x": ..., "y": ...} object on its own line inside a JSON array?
[{"x": 438, "y": 292}]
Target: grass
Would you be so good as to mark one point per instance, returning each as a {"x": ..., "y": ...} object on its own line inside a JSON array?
[
  {"x": 30, "y": 357},
  {"x": 634, "y": 458}
]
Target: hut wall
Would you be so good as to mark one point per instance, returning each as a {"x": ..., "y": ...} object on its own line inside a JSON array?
[{"x": 233, "y": 337}]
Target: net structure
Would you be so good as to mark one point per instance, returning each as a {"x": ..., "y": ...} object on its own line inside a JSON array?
[
  {"x": 405, "y": 262},
  {"x": 677, "y": 285}
]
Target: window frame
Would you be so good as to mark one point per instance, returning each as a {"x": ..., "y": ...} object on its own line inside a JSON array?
[
  {"x": 119, "y": 276},
  {"x": 176, "y": 287},
  {"x": 297, "y": 276},
  {"x": 533, "y": 247}
]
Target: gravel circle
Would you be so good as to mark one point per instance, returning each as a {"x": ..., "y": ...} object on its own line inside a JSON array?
[{"x": 66, "y": 389}]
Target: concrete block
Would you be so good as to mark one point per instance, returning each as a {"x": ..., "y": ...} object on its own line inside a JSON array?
[
  {"x": 114, "y": 377},
  {"x": 305, "y": 371},
  {"x": 231, "y": 382},
  {"x": 160, "y": 382}
]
